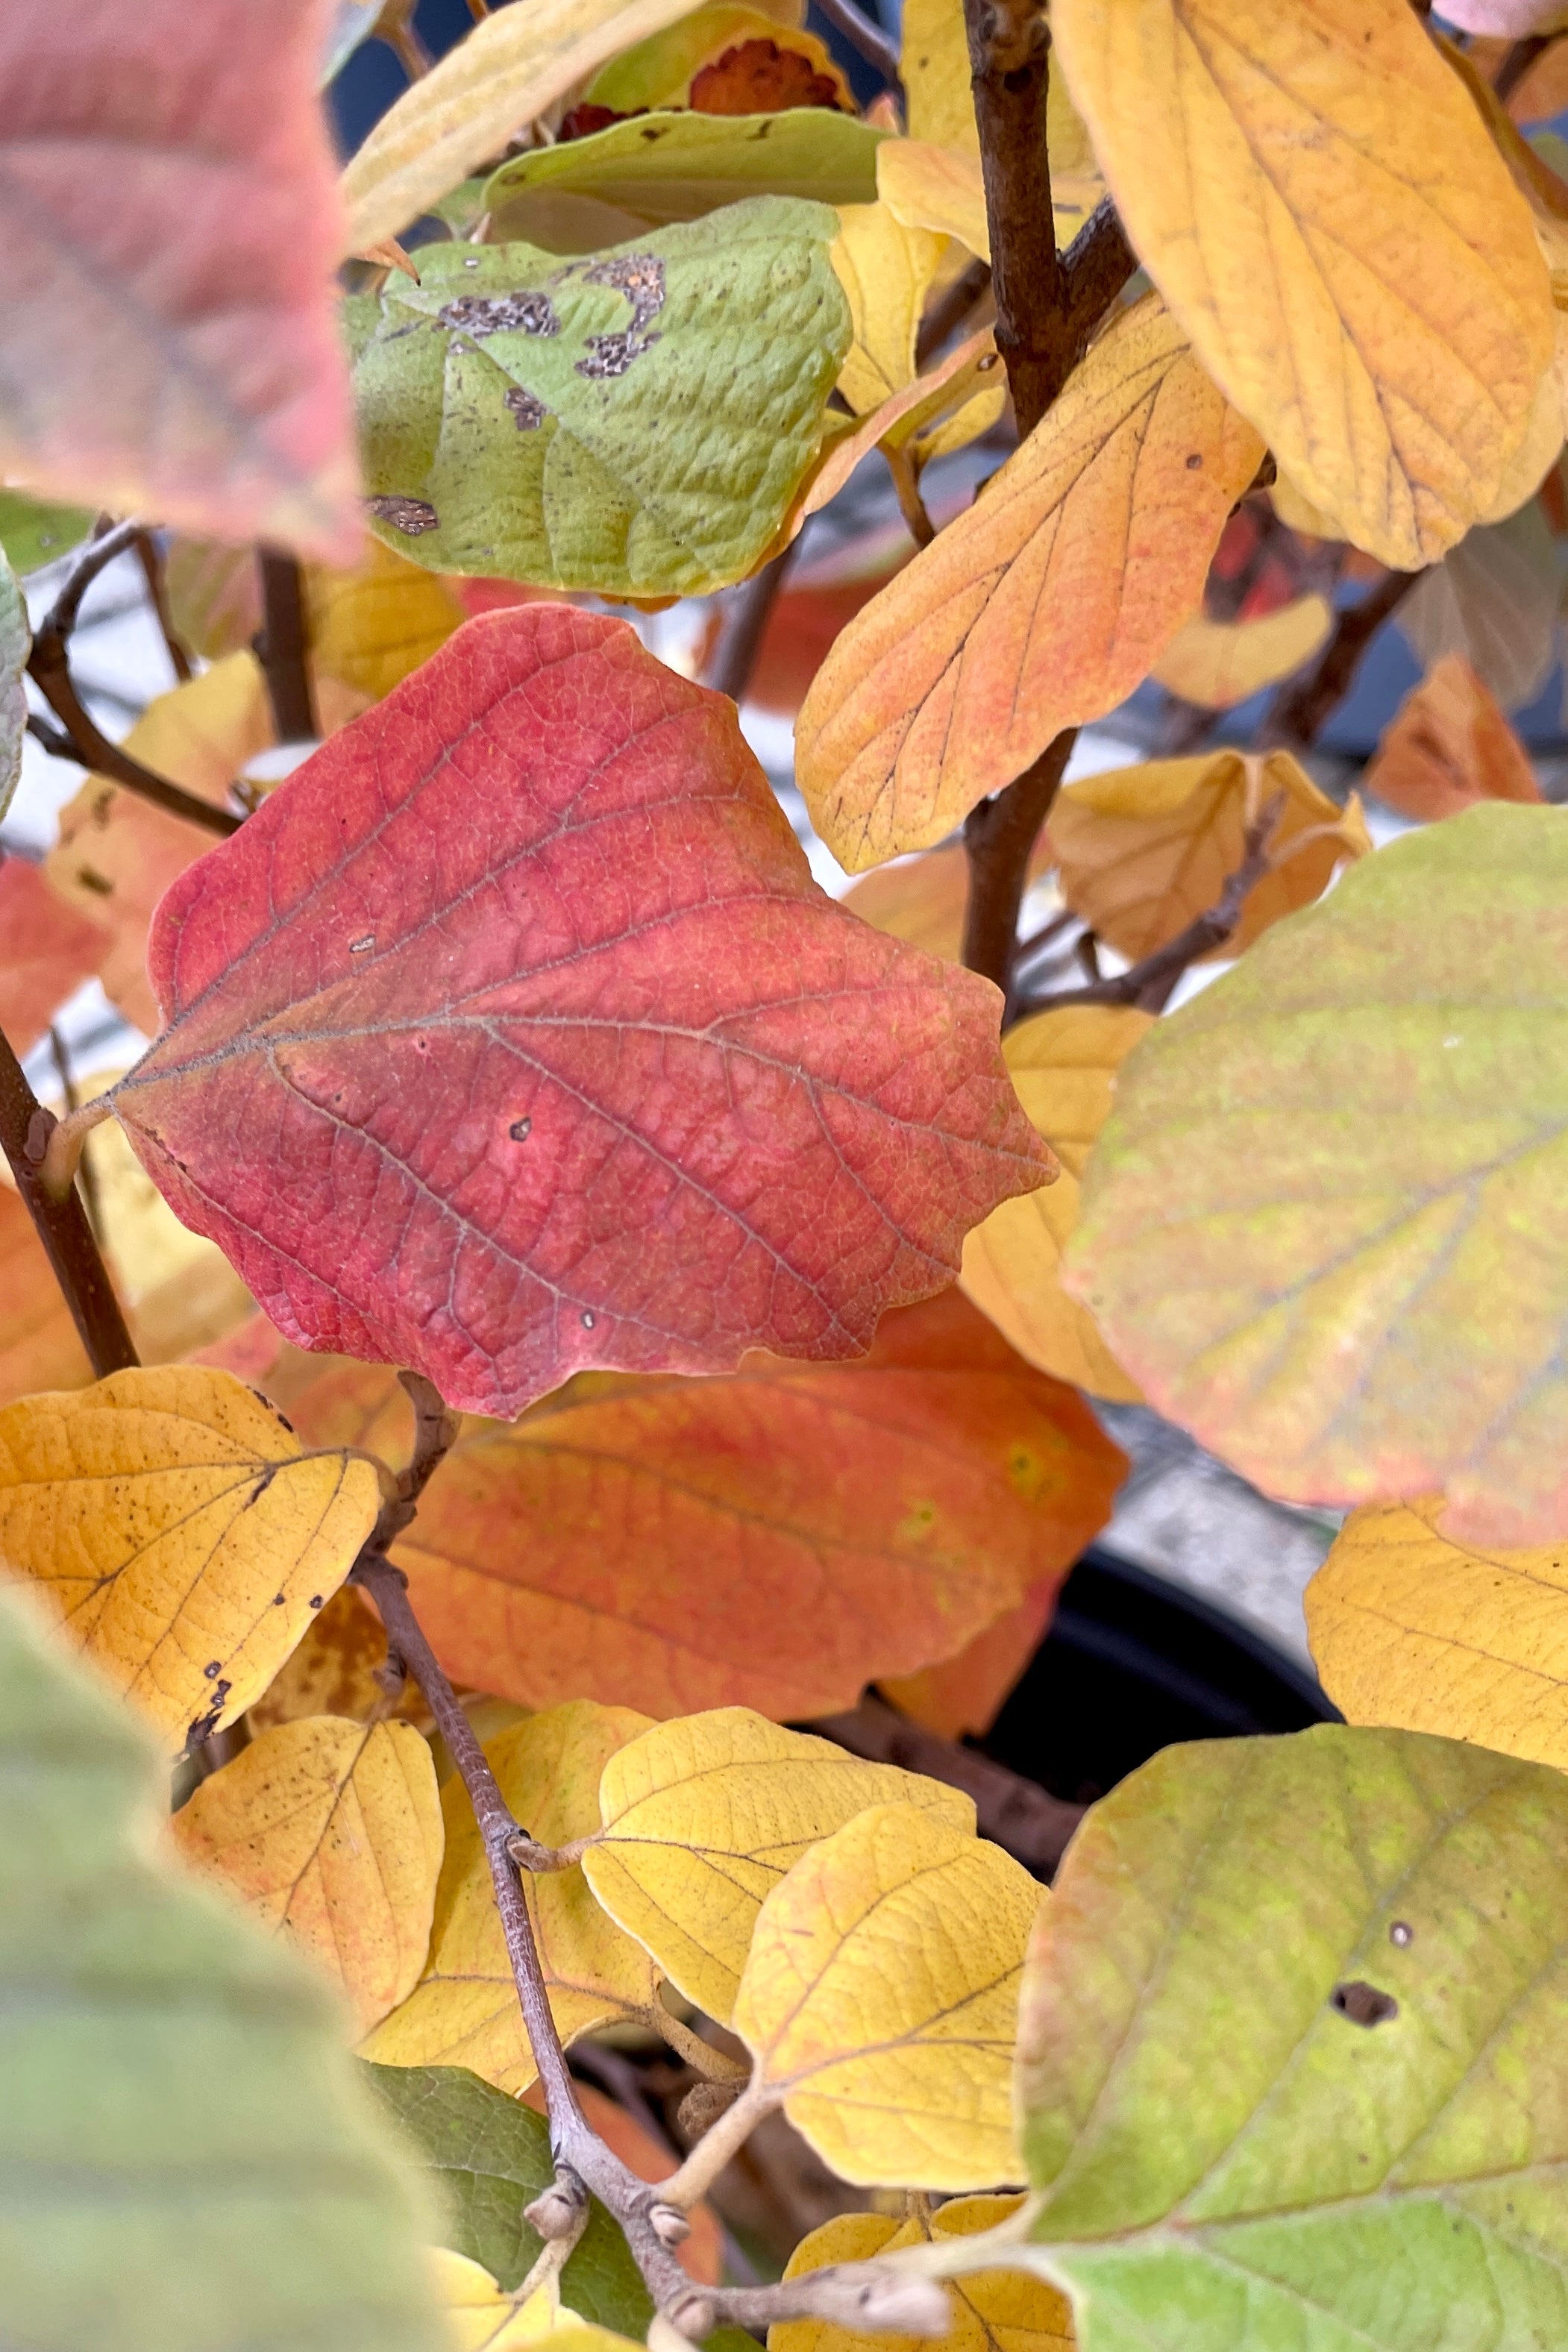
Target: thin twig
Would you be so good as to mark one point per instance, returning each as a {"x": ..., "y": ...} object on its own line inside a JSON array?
[
  {"x": 1517, "y": 60},
  {"x": 999, "y": 836},
  {"x": 948, "y": 313},
  {"x": 151, "y": 557},
  {"x": 282, "y": 648},
  {"x": 1009, "y": 57},
  {"x": 1301, "y": 709},
  {"x": 1013, "y": 1813},
  {"x": 874, "y": 46},
  {"x": 1149, "y": 984},
  {"x": 62, "y": 1224},
  {"x": 743, "y": 626}
]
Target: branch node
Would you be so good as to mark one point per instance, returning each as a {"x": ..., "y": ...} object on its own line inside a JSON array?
[
  {"x": 669, "y": 2224},
  {"x": 561, "y": 2210}
]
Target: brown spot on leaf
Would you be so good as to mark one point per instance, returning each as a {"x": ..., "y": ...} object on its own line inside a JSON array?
[
  {"x": 613, "y": 354},
  {"x": 640, "y": 277},
  {"x": 581, "y": 122},
  {"x": 410, "y": 516},
  {"x": 521, "y": 313},
  {"x": 758, "y": 77},
  {"x": 528, "y": 411},
  {"x": 1363, "y": 2004}
]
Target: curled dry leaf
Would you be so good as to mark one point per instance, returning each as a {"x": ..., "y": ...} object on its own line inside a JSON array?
[
  {"x": 1321, "y": 1223},
  {"x": 49, "y": 948},
  {"x": 1143, "y": 851},
  {"x": 1279, "y": 170},
  {"x": 464, "y": 2009},
  {"x": 630, "y": 1116},
  {"x": 1039, "y": 608},
  {"x": 331, "y": 1832},
  {"x": 993, "y": 2310},
  {"x": 179, "y": 1534},
  {"x": 777, "y": 1538},
  {"x": 1293, "y": 2024},
  {"x": 879, "y": 1999},
  {"x": 1063, "y": 1066},
  {"x": 703, "y": 1819},
  {"x": 759, "y": 77},
  {"x": 1217, "y": 664},
  {"x": 1412, "y": 1628},
  {"x": 1448, "y": 746},
  {"x": 168, "y": 212}
]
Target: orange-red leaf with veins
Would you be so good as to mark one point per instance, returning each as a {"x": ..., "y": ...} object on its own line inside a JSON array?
[
  {"x": 47, "y": 951},
  {"x": 760, "y": 77},
  {"x": 513, "y": 1037},
  {"x": 170, "y": 228}
]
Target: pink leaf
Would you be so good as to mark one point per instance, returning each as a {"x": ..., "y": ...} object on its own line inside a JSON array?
[
  {"x": 47, "y": 951},
  {"x": 513, "y": 1037},
  {"x": 171, "y": 226}
]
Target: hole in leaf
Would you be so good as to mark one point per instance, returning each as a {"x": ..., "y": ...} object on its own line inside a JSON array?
[{"x": 1363, "y": 2004}]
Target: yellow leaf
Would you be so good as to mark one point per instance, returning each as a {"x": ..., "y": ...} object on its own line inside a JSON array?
[
  {"x": 371, "y": 626},
  {"x": 1536, "y": 453},
  {"x": 886, "y": 271},
  {"x": 933, "y": 66},
  {"x": 463, "y": 2010},
  {"x": 1143, "y": 851},
  {"x": 702, "y": 1817},
  {"x": 482, "y": 2317},
  {"x": 332, "y": 1672},
  {"x": 933, "y": 188},
  {"x": 1318, "y": 200},
  {"x": 881, "y": 2000},
  {"x": 993, "y": 2311},
  {"x": 506, "y": 72},
  {"x": 1040, "y": 607},
  {"x": 1063, "y": 1065},
  {"x": 180, "y": 1533},
  {"x": 1298, "y": 513},
  {"x": 1218, "y": 664},
  {"x": 332, "y": 1830},
  {"x": 947, "y": 407},
  {"x": 922, "y": 900}
]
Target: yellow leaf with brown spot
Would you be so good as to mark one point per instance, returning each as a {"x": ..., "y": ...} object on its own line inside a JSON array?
[
  {"x": 993, "y": 2311},
  {"x": 702, "y": 1818},
  {"x": 1063, "y": 1065},
  {"x": 881, "y": 2000},
  {"x": 1217, "y": 664},
  {"x": 463, "y": 2010},
  {"x": 886, "y": 271},
  {"x": 1040, "y": 607},
  {"x": 1448, "y": 746},
  {"x": 179, "y": 1532},
  {"x": 1316, "y": 196},
  {"x": 1143, "y": 851},
  {"x": 333, "y": 1670},
  {"x": 332, "y": 1830}
]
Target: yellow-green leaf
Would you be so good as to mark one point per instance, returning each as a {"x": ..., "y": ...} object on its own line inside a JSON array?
[
  {"x": 179, "y": 1532},
  {"x": 463, "y": 2010},
  {"x": 886, "y": 271},
  {"x": 881, "y": 2000},
  {"x": 993, "y": 2310},
  {"x": 332, "y": 1830},
  {"x": 1038, "y": 608},
  {"x": 1318, "y": 200},
  {"x": 1143, "y": 851},
  {"x": 704, "y": 1817},
  {"x": 508, "y": 70},
  {"x": 1217, "y": 664},
  {"x": 1064, "y": 1068}
]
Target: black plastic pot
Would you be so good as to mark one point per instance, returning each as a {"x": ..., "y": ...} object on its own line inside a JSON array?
[{"x": 1131, "y": 1665}]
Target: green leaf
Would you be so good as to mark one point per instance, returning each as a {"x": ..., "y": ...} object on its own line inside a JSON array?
[
  {"x": 186, "y": 2163},
  {"x": 635, "y": 424},
  {"x": 1324, "y": 1225},
  {"x": 33, "y": 533},
  {"x": 16, "y": 644},
  {"x": 680, "y": 167},
  {"x": 1294, "y": 2052}
]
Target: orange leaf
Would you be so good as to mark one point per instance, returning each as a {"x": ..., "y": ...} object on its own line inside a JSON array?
[
  {"x": 48, "y": 949},
  {"x": 1041, "y": 607},
  {"x": 759, "y": 77},
  {"x": 38, "y": 1345},
  {"x": 774, "y": 1540},
  {"x": 922, "y": 900},
  {"x": 1448, "y": 746},
  {"x": 965, "y": 1695}
]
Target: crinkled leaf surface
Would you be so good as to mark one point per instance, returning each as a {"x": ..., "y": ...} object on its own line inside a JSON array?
[
  {"x": 1290, "y": 2050},
  {"x": 188, "y": 2165},
  {"x": 167, "y": 214},
  {"x": 634, "y": 422},
  {"x": 702, "y": 1818},
  {"x": 879, "y": 1999},
  {"x": 668, "y": 167},
  {"x": 655, "y": 1099},
  {"x": 1143, "y": 851},
  {"x": 1411, "y": 1629},
  {"x": 179, "y": 1532},
  {"x": 47, "y": 949},
  {"x": 1217, "y": 664},
  {"x": 1324, "y": 1224},
  {"x": 775, "y": 1540},
  {"x": 331, "y": 1831},
  {"x": 1448, "y": 746},
  {"x": 1317, "y": 198},
  {"x": 1040, "y": 607},
  {"x": 1064, "y": 1066},
  {"x": 993, "y": 2311},
  {"x": 464, "y": 2012}
]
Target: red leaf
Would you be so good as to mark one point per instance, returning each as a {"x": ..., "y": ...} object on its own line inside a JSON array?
[
  {"x": 759, "y": 77},
  {"x": 512, "y": 1037},
  {"x": 47, "y": 951},
  {"x": 171, "y": 230}
]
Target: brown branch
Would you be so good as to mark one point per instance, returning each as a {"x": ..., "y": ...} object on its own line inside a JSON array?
[
  {"x": 1033, "y": 1826},
  {"x": 1301, "y": 709},
  {"x": 1009, "y": 54},
  {"x": 874, "y": 44},
  {"x": 999, "y": 836},
  {"x": 743, "y": 625},
  {"x": 1096, "y": 265},
  {"x": 282, "y": 648},
  {"x": 1149, "y": 984},
  {"x": 1517, "y": 60},
  {"x": 62, "y": 1225},
  {"x": 149, "y": 555}
]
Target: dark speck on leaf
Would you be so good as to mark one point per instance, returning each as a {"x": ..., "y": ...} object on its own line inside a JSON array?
[
  {"x": 519, "y": 1129},
  {"x": 528, "y": 411},
  {"x": 316, "y": 1598},
  {"x": 1193, "y": 462},
  {"x": 278, "y": 1601},
  {"x": 522, "y": 313},
  {"x": 213, "y": 1669},
  {"x": 1363, "y": 2004}
]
